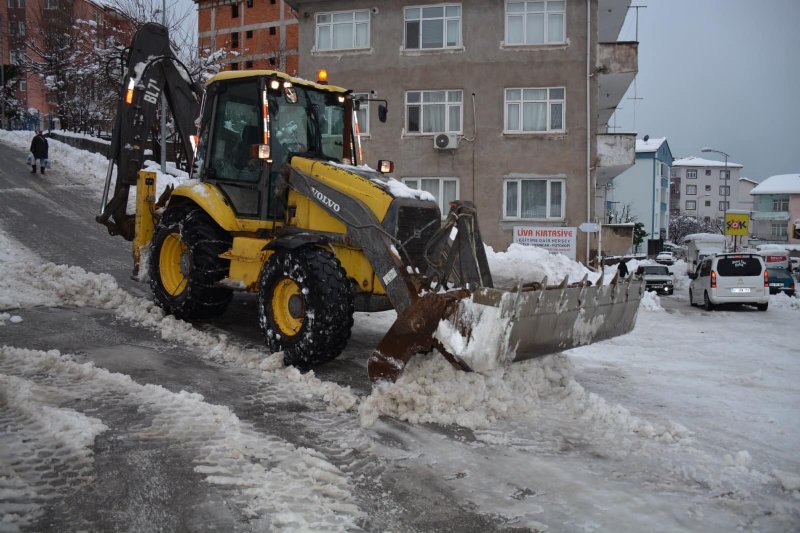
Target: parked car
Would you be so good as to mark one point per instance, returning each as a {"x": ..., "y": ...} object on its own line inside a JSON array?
[
  {"x": 730, "y": 278},
  {"x": 657, "y": 278},
  {"x": 780, "y": 280},
  {"x": 665, "y": 258}
]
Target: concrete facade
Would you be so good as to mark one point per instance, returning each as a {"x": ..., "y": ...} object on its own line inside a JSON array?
[
  {"x": 776, "y": 210},
  {"x": 700, "y": 189},
  {"x": 641, "y": 193},
  {"x": 488, "y": 158}
]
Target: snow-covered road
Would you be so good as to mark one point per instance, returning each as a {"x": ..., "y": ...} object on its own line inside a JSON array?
[{"x": 688, "y": 423}]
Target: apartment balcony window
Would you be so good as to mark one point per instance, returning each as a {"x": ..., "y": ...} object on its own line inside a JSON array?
[
  {"x": 724, "y": 206},
  {"x": 779, "y": 231},
  {"x": 445, "y": 190},
  {"x": 724, "y": 190},
  {"x": 235, "y": 40},
  {"x": 363, "y": 113},
  {"x": 19, "y": 3},
  {"x": 691, "y": 205},
  {"x": 534, "y": 110},
  {"x": 708, "y": 188},
  {"x": 343, "y": 30},
  {"x": 724, "y": 174},
  {"x": 780, "y": 204},
  {"x": 691, "y": 189},
  {"x": 432, "y": 27},
  {"x": 707, "y": 203},
  {"x": 691, "y": 174},
  {"x": 674, "y": 189},
  {"x": 541, "y": 22},
  {"x": 533, "y": 199},
  {"x": 708, "y": 172},
  {"x": 434, "y": 112},
  {"x": 234, "y": 11}
]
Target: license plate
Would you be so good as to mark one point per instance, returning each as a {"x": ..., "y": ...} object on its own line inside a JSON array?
[
  {"x": 740, "y": 290},
  {"x": 776, "y": 284}
]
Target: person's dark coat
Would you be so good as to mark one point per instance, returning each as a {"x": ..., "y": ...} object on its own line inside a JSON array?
[
  {"x": 623, "y": 269},
  {"x": 39, "y": 147}
]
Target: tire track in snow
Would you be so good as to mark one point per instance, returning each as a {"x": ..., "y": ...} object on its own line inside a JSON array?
[{"x": 269, "y": 479}]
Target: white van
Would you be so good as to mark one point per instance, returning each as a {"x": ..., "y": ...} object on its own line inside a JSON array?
[{"x": 734, "y": 278}]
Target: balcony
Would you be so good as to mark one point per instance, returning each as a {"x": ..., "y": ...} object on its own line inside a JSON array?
[
  {"x": 617, "y": 65},
  {"x": 616, "y": 152},
  {"x": 769, "y": 215}
]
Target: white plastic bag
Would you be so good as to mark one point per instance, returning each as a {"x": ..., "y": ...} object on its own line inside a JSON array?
[
  {"x": 46, "y": 163},
  {"x": 29, "y": 159}
]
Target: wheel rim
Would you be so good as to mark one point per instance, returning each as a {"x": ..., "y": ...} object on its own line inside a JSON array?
[
  {"x": 288, "y": 307},
  {"x": 173, "y": 264}
]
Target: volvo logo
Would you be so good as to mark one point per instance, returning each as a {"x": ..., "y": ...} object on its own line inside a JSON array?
[{"x": 325, "y": 200}]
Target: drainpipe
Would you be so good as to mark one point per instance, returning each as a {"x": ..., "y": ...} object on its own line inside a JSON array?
[{"x": 588, "y": 122}]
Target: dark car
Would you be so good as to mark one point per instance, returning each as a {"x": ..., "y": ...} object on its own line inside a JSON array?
[
  {"x": 657, "y": 278},
  {"x": 780, "y": 280}
]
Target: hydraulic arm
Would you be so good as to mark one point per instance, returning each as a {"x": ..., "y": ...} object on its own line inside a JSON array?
[{"x": 151, "y": 69}]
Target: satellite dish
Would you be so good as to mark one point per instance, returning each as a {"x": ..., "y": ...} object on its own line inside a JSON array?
[
  {"x": 646, "y": 138},
  {"x": 442, "y": 141}
]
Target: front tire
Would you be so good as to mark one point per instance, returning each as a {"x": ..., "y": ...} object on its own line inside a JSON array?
[
  {"x": 305, "y": 306},
  {"x": 185, "y": 266}
]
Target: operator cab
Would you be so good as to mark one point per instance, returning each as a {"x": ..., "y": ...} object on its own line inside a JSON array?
[{"x": 253, "y": 121}]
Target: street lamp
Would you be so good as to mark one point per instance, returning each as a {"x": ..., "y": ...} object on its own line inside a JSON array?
[{"x": 725, "y": 190}]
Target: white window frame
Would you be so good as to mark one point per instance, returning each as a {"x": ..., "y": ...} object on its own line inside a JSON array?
[
  {"x": 549, "y": 103},
  {"x": 724, "y": 190},
  {"x": 526, "y": 12},
  {"x": 414, "y": 183},
  {"x": 331, "y": 25},
  {"x": 16, "y": 4},
  {"x": 421, "y": 18},
  {"x": 22, "y": 85},
  {"x": 723, "y": 173},
  {"x": 691, "y": 190},
  {"x": 691, "y": 205},
  {"x": 779, "y": 230},
  {"x": 363, "y": 114},
  {"x": 691, "y": 173},
  {"x": 51, "y": 4},
  {"x": 780, "y": 205},
  {"x": 448, "y": 103},
  {"x": 518, "y": 182},
  {"x": 724, "y": 205}
]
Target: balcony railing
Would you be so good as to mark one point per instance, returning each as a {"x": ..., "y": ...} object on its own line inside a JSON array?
[{"x": 769, "y": 215}]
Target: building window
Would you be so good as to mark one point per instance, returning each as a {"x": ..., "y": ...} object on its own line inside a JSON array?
[
  {"x": 445, "y": 190},
  {"x": 530, "y": 110},
  {"x": 248, "y": 64},
  {"x": 691, "y": 174},
  {"x": 22, "y": 85},
  {"x": 15, "y": 57},
  {"x": 249, "y": 3},
  {"x": 434, "y": 111},
  {"x": 540, "y": 22},
  {"x": 235, "y": 40},
  {"x": 724, "y": 206},
  {"x": 691, "y": 189},
  {"x": 272, "y": 30},
  {"x": 663, "y": 169},
  {"x": 20, "y": 3},
  {"x": 724, "y": 174},
  {"x": 430, "y": 27},
  {"x": 780, "y": 204},
  {"x": 272, "y": 61},
  {"x": 248, "y": 34},
  {"x": 708, "y": 172},
  {"x": 779, "y": 230},
  {"x": 674, "y": 188},
  {"x": 724, "y": 190},
  {"x": 675, "y": 173},
  {"x": 343, "y": 30},
  {"x": 708, "y": 188},
  {"x": 708, "y": 203},
  {"x": 691, "y": 205},
  {"x": 234, "y": 66},
  {"x": 533, "y": 199},
  {"x": 363, "y": 112},
  {"x": 234, "y": 11}
]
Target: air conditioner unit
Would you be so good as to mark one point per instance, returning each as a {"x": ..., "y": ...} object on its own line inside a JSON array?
[{"x": 445, "y": 141}]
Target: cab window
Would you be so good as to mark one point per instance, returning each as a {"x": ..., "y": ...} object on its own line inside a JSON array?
[{"x": 236, "y": 129}]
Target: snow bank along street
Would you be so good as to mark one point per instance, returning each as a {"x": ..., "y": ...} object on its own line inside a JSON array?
[{"x": 688, "y": 423}]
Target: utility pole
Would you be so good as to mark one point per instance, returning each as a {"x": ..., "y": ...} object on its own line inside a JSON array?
[
  {"x": 3, "y": 79},
  {"x": 163, "y": 103}
]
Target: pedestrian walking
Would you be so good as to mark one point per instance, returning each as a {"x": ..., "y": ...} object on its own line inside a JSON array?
[
  {"x": 623, "y": 268},
  {"x": 39, "y": 149}
]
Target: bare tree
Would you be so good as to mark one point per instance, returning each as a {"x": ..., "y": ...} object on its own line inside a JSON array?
[{"x": 682, "y": 225}]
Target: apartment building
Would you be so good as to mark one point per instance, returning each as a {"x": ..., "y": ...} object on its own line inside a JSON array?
[
  {"x": 701, "y": 187},
  {"x": 257, "y": 34},
  {"x": 24, "y": 23},
  {"x": 776, "y": 210},
  {"x": 503, "y": 103},
  {"x": 641, "y": 193}
]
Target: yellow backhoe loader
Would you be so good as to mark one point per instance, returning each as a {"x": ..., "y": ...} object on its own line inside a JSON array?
[{"x": 281, "y": 205}]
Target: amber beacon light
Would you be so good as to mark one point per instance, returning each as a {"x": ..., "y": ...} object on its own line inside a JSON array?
[{"x": 322, "y": 76}]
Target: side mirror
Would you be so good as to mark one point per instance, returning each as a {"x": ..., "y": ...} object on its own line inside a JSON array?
[
  {"x": 383, "y": 111},
  {"x": 671, "y": 273},
  {"x": 692, "y": 275}
]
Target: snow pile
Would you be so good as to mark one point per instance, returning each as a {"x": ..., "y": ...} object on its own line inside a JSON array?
[
  {"x": 788, "y": 480},
  {"x": 7, "y": 317},
  {"x": 650, "y": 302},
  {"x": 783, "y": 301},
  {"x": 530, "y": 263},
  {"x": 430, "y": 390}
]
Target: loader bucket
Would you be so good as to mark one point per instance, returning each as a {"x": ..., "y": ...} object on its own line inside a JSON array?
[{"x": 489, "y": 327}]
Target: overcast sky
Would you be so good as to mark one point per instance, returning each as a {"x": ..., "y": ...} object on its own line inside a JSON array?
[{"x": 719, "y": 73}]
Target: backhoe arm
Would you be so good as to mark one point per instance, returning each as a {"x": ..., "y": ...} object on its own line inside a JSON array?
[{"x": 151, "y": 68}]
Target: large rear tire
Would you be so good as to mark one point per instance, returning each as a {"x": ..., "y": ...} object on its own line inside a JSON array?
[
  {"x": 305, "y": 306},
  {"x": 185, "y": 266},
  {"x": 707, "y": 302},
  {"x": 691, "y": 300}
]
